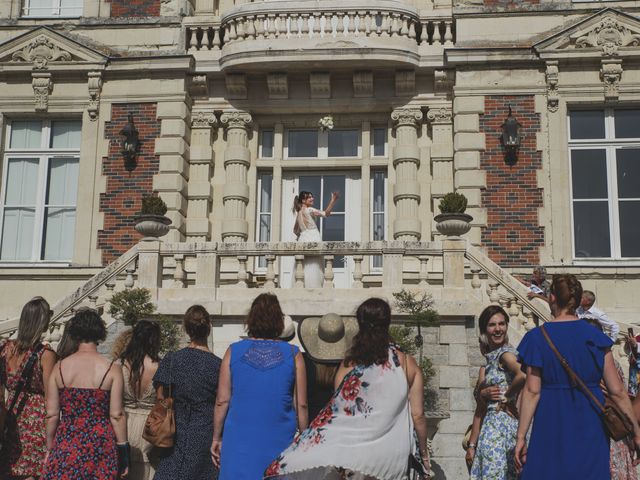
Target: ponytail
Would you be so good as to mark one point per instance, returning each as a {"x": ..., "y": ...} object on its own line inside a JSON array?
[
  {"x": 567, "y": 291},
  {"x": 298, "y": 199}
]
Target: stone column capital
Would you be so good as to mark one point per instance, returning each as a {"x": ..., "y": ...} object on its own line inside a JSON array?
[
  {"x": 410, "y": 117},
  {"x": 203, "y": 119},
  {"x": 439, "y": 115},
  {"x": 236, "y": 119}
]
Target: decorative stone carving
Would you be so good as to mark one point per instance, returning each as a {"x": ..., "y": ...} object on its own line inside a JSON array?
[
  {"x": 203, "y": 120},
  {"x": 278, "y": 85},
  {"x": 439, "y": 115},
  {"x": 363, "y": 84},
  {"x": 405, "y": 83},
  {"x": 199, "y": 86},
  {"x": 551, "y": 75},
  {"x": 320, "y": 84},
  {"x": 42, "y": 87},
  {"x": 40, "y": 52},
  {"x": 444, "y": 80},
  {"x": 236, "y": 85},
  {"x": 609, "y": 35},
  {"x": 235, "y": 119},
  {"x": 94, "y": 84},
  {"x": 611, "y": 74},
  {"x": 407, "y": 116}
]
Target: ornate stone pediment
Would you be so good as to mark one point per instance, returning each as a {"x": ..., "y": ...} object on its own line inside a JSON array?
[
  {"x": 609, "y": 33},
  {"x": 45, "y": 49}
]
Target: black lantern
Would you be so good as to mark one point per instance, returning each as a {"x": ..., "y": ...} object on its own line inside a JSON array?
[
  {"x": 511, "y": 138},
  {"x": 130, "y": 144}
]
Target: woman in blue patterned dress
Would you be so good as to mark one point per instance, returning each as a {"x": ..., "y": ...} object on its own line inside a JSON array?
[{"x": 491, "y": 447}]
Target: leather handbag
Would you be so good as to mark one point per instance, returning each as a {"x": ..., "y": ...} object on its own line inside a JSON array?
[
  {"x": 616, "y": 422},
  {"x": 160, "y": 427}
]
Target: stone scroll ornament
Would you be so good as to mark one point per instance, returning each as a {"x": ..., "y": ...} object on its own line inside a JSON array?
[
  {"x": 609, "y": 35},
  {"x": 41, "y": 51}
]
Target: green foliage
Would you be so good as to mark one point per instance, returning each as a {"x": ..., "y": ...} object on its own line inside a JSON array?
[
  {"x": 170, "y": 335},
  {"x": 131, "y": 305},
  {"x": 404, "y": 337},
  {"x": 153, "y": 206},
  {"x": 418, "y": 306},
  {"x": 453, "y": 202}
]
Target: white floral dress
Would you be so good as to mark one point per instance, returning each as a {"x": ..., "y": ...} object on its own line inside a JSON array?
[
  {"x": 364, "y": 432},
  {"x": 494, "y": 458},
  {"x": 313, "y": 270}
]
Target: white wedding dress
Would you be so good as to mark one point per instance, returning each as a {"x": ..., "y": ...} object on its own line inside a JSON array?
[{"x": 313, "y": 271}]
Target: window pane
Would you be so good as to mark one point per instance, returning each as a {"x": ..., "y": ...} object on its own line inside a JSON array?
[
  {"x": 59, "y": 229},
  {"x": 22, "y": 182},
  {"x": 265, "y": 193},
  {"x": 630, "y": 228},
  {"x": 344, "y": 143},
  {"x": 591, "y": 229},
  {"x": 627, "y": 123},
  {"x": 379, "y": 141},
  {"x": 586, "y": 124},
  {"x": 378, "y": 191},
  {"x": 333, "y": 183},
  {"x": 17, "y": 234},
  {"x": 628, "y": 165},
  {"x": 333, "y": 231},
  {"x": 40, "y": 7},
  {"x": 378, "y": 226},
  {"x": 65, "y": 134},
  {"x": 267, "y": 143},
  {"x": 589, "y": 173},
  {"x": 62, "y": 184},
  {"x": 71, "y": 8},
  {"x": 26, "y": 135},
  {"x": 265, "y": 228},
  {"x": 303, "y": 143}
]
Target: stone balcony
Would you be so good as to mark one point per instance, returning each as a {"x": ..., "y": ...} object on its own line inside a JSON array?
[{"x": 312, "y": 34}]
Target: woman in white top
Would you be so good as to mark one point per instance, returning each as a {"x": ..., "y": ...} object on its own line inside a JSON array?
[{"x": 306, "y": 230}]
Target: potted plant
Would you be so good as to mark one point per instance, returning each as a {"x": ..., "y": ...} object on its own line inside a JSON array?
[
  {"x": 452, "y": 220},
  {"x": 151, "y": 221}
]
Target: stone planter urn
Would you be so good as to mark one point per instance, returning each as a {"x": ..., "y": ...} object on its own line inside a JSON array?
[
  {"x": 453, "y": 224},
  {"x": 152, "y": 226}
]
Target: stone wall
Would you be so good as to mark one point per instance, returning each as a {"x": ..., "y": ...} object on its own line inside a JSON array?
[
  {"x": 512, "y": 235},
  {"x": 124, "y": 190},
  {"x": 135, "y": 8}
]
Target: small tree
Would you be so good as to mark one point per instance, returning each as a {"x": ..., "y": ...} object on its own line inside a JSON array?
[
  {"x": 418, "y": 306},
  {"x": 169, "y": 335},
  {"x": 131, "y": 305}
]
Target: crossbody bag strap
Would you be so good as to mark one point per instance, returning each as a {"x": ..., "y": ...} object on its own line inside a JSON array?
[
  {"x": 25, "y": 379},
  {"x": 575, "y": 379}
]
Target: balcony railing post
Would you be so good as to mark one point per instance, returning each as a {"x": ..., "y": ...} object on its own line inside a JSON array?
[
  {"x": 424, "y": 271},
  {"x": 357, "y": 271},
  {"x": 453, "y": 262},
  {"x": 149, "y": 265},
  {"x": 207, "y": 269},
  {"x": 179, "y": 275},
  {"x": 392, "y": 271},
  {"x": 299, "y": 271},
  {"x": 271, "y": 273},
  {"x": 242, "y": 271},
  {"x": 328, "y": 271}
]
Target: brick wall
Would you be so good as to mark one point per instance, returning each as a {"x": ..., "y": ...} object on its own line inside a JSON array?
[
  {"x": 512, "y": 197},
  {"x": 135, "y": 8},
  {"x": 124, "y": 191}
]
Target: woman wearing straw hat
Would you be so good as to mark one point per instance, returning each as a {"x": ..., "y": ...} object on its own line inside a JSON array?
[{"x": 326, "y": 340}]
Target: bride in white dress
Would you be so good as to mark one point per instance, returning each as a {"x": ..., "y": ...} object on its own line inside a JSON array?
[{"x": 306, "y": 230}]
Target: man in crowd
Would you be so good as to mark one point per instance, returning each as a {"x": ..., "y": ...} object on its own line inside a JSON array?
[{"x": 587, "y": 310}]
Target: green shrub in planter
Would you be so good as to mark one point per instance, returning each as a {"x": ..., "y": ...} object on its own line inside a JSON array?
[
  {"x": 453, "y": 202},
  {"x": 153, "y": 206},
  {"x": 129, "y": 306}
]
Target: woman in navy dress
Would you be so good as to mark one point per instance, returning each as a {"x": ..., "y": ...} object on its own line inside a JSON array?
[
  {"x": 193, "y": 372},
  {"x": 262, "y": 390},
  {"x": 568, "y": 439}
]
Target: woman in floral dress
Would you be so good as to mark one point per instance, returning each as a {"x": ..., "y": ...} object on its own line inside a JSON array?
[
  {"x": 24, "y": 457},
  {"x": 491, "y": 447},
  {"x": 366, "y": 432}
]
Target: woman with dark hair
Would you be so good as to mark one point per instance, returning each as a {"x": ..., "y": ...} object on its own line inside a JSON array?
[
  {"x": 140, "y": 360},
  {"x": 490, "y": 448},
  {"x": 306, "y": 230},
  {"x": 25, "y": 367},
  {"x": 190, "y": 376},
  {"x": 375, "y": 419},
  {"x": 262, "y": 390},
  {"x": 567, "y": 427},
  {"x": 86, "y": 426}
]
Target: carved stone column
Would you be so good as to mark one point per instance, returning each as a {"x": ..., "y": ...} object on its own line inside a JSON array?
[
  {"x": 237, "y": 159},
  {"x": 406, "y": 159}
]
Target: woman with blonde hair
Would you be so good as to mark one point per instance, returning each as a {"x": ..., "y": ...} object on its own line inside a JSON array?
[{"x": 25, "y": 366}]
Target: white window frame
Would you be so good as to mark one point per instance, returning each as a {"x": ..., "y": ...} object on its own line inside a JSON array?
[
  {"x": 44, "y": 154},
  {"x": 56, "y": 9},
  {"x": 610, "y": 144},
  {"x": 372, "y": 213},
  {"x": 323, "y": 144},
  {"x": 259, "y": 265}
]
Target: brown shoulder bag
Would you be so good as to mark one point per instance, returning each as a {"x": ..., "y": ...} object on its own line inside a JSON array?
[
  {"x": 160, "y": 427},
  {"x": 616, "y": 422}
]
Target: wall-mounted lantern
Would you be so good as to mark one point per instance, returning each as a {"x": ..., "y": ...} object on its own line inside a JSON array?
[
  {"x": 511, "y": 138},
  {"x": 130, "y": 144}
]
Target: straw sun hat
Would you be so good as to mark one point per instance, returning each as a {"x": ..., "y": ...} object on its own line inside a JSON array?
[{"x": 327, "y": 338}]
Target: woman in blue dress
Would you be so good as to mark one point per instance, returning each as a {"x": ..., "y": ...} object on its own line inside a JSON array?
[
  {"x": 193, "y": 374},
  {"x": 568, "y": 439},
  {"x": 262, "y": 392}
]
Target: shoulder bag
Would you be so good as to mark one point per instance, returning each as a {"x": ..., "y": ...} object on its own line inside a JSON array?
[
  {"x": 8, "y": 415},
  {"x": 616, "y": 422},
  {"x": 160, "y": 427}
]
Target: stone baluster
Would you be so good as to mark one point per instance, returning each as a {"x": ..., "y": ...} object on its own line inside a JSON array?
[
  {"x": 412, "y": 29},
  {"x": 437, "y": 36},
  {"x": 361, "y": 27},
  {"x": 424, "y": 33},
  {"x": 191, "y": 37},
  {"x": 129, "y": 282},
  {"x": 233, "y": 33},
  {"x": 250, "y": 29},
  {"x": 368, "y": 19},
  {"x": 226, "y": 33},
  {"x": 271, "y": 25},
  {"x": 351, "y": 23},
  {"x": 240, "y": 30},
  {"x": 357, "y": 271},
  {"x": 395, "y": 24},
  {"x": 299, "y": 271},
  {"x": 271, "y": 272},
  {"x": 317, "y": 24},
  {"x": 260, "y": 28},
  {"x": 93, "y": 301},
  {"x": 529, "y": 323},
  {"x": 448, "y": 34},
  {"x": 404, "y": 29},
  {"x": 305, "y": 25},
  {"x": 406, "y": 159},
  {"x": 237, "y": 159},
  {"x": 475, "y": 278},
  {"x": 242, "y": 271},
  {"x": 216, "y": 42},
  {"x": 340, "y": 25},
  {"x": 294, "y": 28},
  {"x": 494, "y": 296},
  {"x": 277, "y": 25},
  {"x": 328, "y": 271},
  {"x": 423, "y": 276},
  {"x": 179, "y": 275},
  {"x": 519, "y": 316}
]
